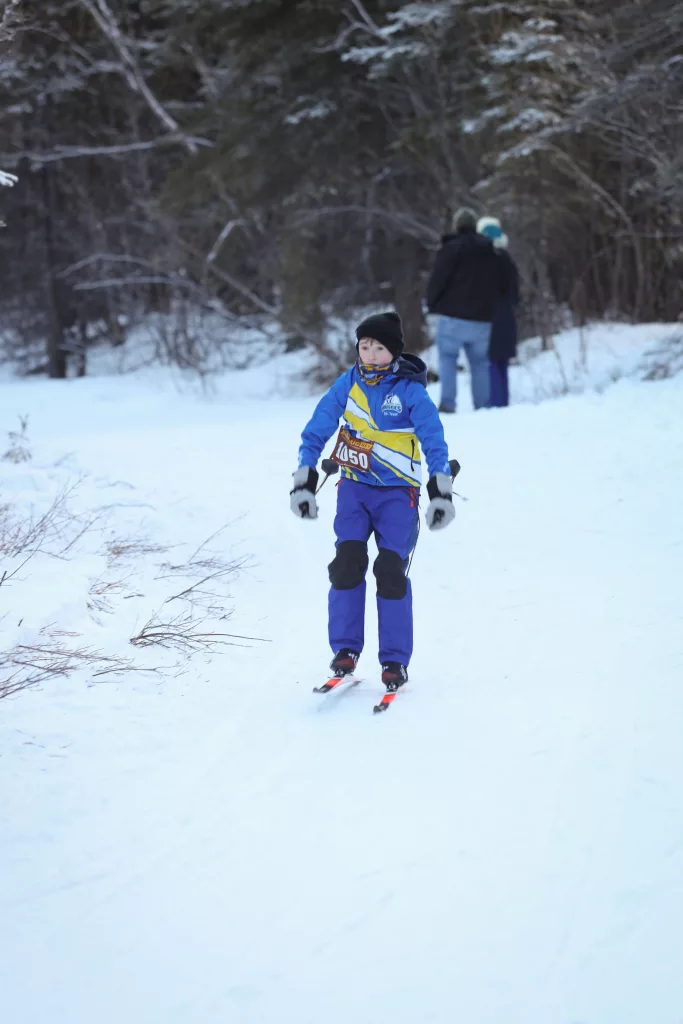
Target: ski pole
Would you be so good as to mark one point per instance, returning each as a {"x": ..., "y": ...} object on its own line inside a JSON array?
[
  {"x": 455, "y": 469},
  {"x": 329, "y": 468},
  {"x": 454, "y": 466}
]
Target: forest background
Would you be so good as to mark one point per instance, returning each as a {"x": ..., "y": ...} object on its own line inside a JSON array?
[{"x": 275, "y": 166}]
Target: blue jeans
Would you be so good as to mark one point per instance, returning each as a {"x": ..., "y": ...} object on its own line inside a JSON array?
[
  {"x": 451, "y": 336},
  {"x": 391, "y": 514}
]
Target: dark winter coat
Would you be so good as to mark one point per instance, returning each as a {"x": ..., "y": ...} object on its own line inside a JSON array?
[
  {"x": 468, "y": 278},
  {"x": 503, "y": 343}
]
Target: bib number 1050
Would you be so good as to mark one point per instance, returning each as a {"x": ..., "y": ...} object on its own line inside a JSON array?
[
  {"x": 350, "y": 457},
  {"x": 351, "y": 453}
]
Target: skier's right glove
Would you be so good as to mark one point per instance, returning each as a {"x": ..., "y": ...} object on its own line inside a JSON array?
[
  {"x": 302, "y": 497},
  {"x": 440, "y": 511}
]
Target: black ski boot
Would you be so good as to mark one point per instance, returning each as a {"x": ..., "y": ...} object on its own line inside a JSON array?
[
  {"x": 344, "y": 662},
  {"x": 394, "y": 675}
]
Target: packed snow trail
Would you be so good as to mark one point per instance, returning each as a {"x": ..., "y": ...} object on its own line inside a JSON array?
[{"x": 505, "y": 845}]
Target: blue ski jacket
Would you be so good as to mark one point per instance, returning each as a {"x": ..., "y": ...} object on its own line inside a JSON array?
[{"x": 384, "y": 425}]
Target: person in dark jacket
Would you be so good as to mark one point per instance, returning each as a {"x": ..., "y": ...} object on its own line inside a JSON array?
[
  {"x": 464, "y": 289},
  {"x": 503, "y": 342}
]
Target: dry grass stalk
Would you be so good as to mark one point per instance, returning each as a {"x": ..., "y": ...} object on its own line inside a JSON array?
[
  {"x": 132, "y": 547},
  {"x": 18, "y": 450}
]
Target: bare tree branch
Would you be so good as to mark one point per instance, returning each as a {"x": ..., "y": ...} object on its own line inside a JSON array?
[
  {"x": 104, "y": 17},
  {"x": 424, "y": 231},
  {"x": 78, "y": 152},
  {"x": 367, "y": 22},
  {"x": 225, "y": 233}
]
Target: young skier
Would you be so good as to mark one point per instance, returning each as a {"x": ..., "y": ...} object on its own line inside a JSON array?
[{"x": 386, "y": 411}]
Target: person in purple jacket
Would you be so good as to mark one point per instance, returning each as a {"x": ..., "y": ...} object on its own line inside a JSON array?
[{"x": 386, "y": 416}]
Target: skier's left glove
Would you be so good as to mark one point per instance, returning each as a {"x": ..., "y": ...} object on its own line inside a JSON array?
[
  {"x": 302, "y": 497},
  {"x": 440, "y": 511}
]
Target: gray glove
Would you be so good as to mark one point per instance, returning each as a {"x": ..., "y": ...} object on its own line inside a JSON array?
[
  {"x": 302, "y": 497},
  {"x": 440, "y": 511}
]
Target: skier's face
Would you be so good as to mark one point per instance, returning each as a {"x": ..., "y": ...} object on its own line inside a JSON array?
[{"x": 372, "y": 353}]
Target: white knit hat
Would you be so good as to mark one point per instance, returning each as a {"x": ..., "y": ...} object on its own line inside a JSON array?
[{"x": 490, "y": 227}]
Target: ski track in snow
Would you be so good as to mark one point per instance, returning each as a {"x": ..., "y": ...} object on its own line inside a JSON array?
[{"x": 506, "y": 844}]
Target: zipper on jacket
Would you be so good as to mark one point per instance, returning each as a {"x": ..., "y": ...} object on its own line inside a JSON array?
[{"x": 412, "y": 452}]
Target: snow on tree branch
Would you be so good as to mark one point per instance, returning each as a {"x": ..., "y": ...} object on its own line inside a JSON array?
[
  {"x": 411, "y": 18},
  {"x": 417, "y": 15},
  {"x": 7, "y": 22},
  {"x": 8, "y": 19}
]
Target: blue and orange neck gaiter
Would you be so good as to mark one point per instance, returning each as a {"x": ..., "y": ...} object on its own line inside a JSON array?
[{"x": 374, "y": 374}]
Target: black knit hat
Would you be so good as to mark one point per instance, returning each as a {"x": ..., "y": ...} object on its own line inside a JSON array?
[{"x": 384, "y": 328}]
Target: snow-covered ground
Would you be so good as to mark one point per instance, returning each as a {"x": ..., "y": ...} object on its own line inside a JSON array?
[{"x": 506, "y": 844}]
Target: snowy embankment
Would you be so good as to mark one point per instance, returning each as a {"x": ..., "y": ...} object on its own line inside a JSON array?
[{"x": 504, "y": 845}]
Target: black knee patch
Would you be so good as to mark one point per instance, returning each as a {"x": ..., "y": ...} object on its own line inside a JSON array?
[
  {"x": 349, "y": 565},
  {"x": 391, "y": 577}
]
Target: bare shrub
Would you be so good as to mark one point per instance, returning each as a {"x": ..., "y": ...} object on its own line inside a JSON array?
[
  {"x": 202, "y": 578},
  {"x": 59, "y": 526},
  {"x": 28, "y": 665},
  {"x": 18, "y": 450},
  {"x": 665, "y": 361},
  {"x": 184, "y": 633},
  {"x": 55, "y": 531},
  {"x": 101, "y": 595},
  {"x": 206, "y": 574},
  {"x": 6, "y": 576}
]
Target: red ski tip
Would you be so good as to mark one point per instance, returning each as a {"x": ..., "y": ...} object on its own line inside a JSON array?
[
  {"x": 335, "y": 681},
  {"x": 383, "y": 705},
  {"x": 329, "y": 685}
]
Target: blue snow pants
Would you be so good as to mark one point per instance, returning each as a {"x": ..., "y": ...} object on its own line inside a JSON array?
[{"x": 391, "y": 513}]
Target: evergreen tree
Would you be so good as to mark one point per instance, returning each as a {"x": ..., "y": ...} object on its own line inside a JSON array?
[{"x": 269, "y": 161}]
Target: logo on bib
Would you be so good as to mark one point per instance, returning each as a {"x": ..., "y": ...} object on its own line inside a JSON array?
[{"x": 391, "y": 405}]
